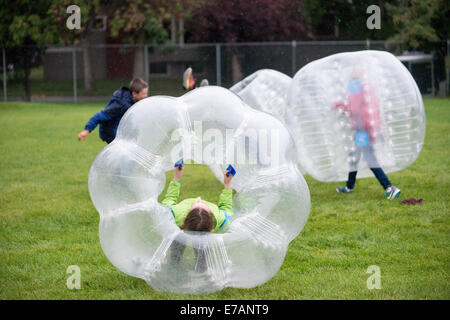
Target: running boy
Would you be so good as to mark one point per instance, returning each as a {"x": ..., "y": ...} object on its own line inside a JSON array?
[{"x": 120, "y": 102}]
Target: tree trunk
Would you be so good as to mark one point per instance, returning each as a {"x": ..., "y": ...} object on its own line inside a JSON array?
[
  {"x": 26, "y": 85},
  {"x": 176, "y": 30},
  {"x": 139, "y": 63},
  {"x": 26, "y": 77},
  {"x": 88, "y": 77},
  {"x": 236, "y": 73},
  {"x": 181, "y": 31},
  {"x": 173, "y": 29}
]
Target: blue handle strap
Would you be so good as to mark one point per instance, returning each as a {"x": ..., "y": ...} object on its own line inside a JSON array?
[
  {"x": 171, "y": 210},
  {"x": 227, "y": 217}
]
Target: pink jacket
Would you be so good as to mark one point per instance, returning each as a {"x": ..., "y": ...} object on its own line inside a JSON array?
[{"x": 363, "y": 106}]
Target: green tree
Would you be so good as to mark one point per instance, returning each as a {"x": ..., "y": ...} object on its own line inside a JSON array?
[
  {"x": 90, "y": 9},
  {"x": 144, "y": 22},
  {"x": 180, "y": 11},
  {"x": 251, "y": 20},
  {"x": 346, "y": 19},
  {"x": 141, "y": 22},
  {"x": 25, "y": 29},
  {"x": 419, "y": 23}
]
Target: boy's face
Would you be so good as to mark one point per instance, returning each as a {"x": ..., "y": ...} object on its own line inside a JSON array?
[{"x": 140, "y": 95}]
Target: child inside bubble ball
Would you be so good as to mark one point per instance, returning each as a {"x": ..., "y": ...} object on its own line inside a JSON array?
[
  {"x": 195, "y": 214},
  {"x": 363, "y": 109}
]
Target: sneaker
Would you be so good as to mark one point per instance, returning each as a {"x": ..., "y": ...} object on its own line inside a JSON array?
[
  {"x": 204, "y": 83},
  {"x": 188, "y": 79},
  {"x": 344, "y": 189},
  {"x": 392, "y": 193}
]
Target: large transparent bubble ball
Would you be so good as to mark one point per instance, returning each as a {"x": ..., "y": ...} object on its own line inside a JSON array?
[
  {"x": 349, "y": 111},
  {"x": 265, "y": 90},
  {"x": 212, "y": 126},
  {"x": 354, "y": 111}
]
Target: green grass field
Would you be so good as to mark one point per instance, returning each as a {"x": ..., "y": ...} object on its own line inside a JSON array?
[{"x": 48, "y": 222}]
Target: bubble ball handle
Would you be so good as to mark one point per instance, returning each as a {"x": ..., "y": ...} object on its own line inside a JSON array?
[
  {"x": 179, "y": 164},
  {"x": 230, "y": 170}
]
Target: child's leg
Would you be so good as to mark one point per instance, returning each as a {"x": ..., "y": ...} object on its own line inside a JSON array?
[
  {"x": 355, "y": 156},
  {"x": 369, "y": 156},
  {"x": 176, "y": 251},
  {"x": 351, "y": 179},
  {"x": 200, "y": 255},
  {"x": 382, "y": 177},
  {"x": 391, "y": 192}
]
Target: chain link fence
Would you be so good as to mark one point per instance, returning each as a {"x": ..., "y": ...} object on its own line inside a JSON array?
[{"x": 61, "y": 74}]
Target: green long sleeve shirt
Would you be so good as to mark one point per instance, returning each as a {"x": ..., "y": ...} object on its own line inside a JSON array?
[{"x": 221, "y": 212}]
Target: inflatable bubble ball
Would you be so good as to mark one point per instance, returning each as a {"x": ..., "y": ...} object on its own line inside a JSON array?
[
  {"x": 212, "y": 126},
  {"x": 354, "y": 111},
  {"x": 347, "y": 112}
]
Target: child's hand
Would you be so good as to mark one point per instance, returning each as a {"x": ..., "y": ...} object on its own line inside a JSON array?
[
  {"x": 227, "y": 179},
  {"x": 83, "y": 134},
  {"x": 178, "y": 173}
]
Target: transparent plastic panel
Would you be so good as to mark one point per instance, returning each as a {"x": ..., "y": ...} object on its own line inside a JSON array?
[
  {"x": 265, "y": 90},
  {"x": 346, "y": 112},
  {"x": 213, "y": 126},
  {"x": 355, "y": 111}
]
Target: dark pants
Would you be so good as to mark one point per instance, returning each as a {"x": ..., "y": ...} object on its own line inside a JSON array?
[
  {"x": 177, "y": 250},
  {"x": 379, "y": 174},
  {"x": 369, "y": 156}
]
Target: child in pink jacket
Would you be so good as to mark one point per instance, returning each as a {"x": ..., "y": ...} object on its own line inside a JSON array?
[{"x": 364, "y": 112}]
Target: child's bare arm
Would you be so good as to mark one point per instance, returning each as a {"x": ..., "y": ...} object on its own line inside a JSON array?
[
  {"x": 226, "y": 197},
  {"x": 227, "y": 179},
  {"x": 178, "y": 173}
]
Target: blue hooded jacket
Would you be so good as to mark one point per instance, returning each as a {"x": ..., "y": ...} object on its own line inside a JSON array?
[{"x": 109, "y": 118}]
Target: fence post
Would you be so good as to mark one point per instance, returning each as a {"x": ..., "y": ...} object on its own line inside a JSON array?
[
  {"x": 294, "y": 57},
  {"x": 74, "y": 74},
  {"x": 146, "y": 64},
  {"x": 433, "y": 91},
  {"x": 447, "y": 67},
  {"x": 367, "y": 44},
  {"x": 5, "y": 91},
  {"x": 218, "y": 66}
]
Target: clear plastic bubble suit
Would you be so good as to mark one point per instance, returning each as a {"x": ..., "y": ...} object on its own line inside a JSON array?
[
  {"x": 212, "y": 126},
  {"x": 355, "y": 111},
  {"x": 348, "y": 111},
  {"x": 265, "y": 90}
]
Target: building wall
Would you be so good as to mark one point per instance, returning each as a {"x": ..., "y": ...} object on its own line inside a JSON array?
[{"x": 57, "y": 62}]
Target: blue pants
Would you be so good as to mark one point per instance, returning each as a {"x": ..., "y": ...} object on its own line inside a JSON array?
[
  {"x": 379, "y": 174},
  {"x": 371, "y": 160}
]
